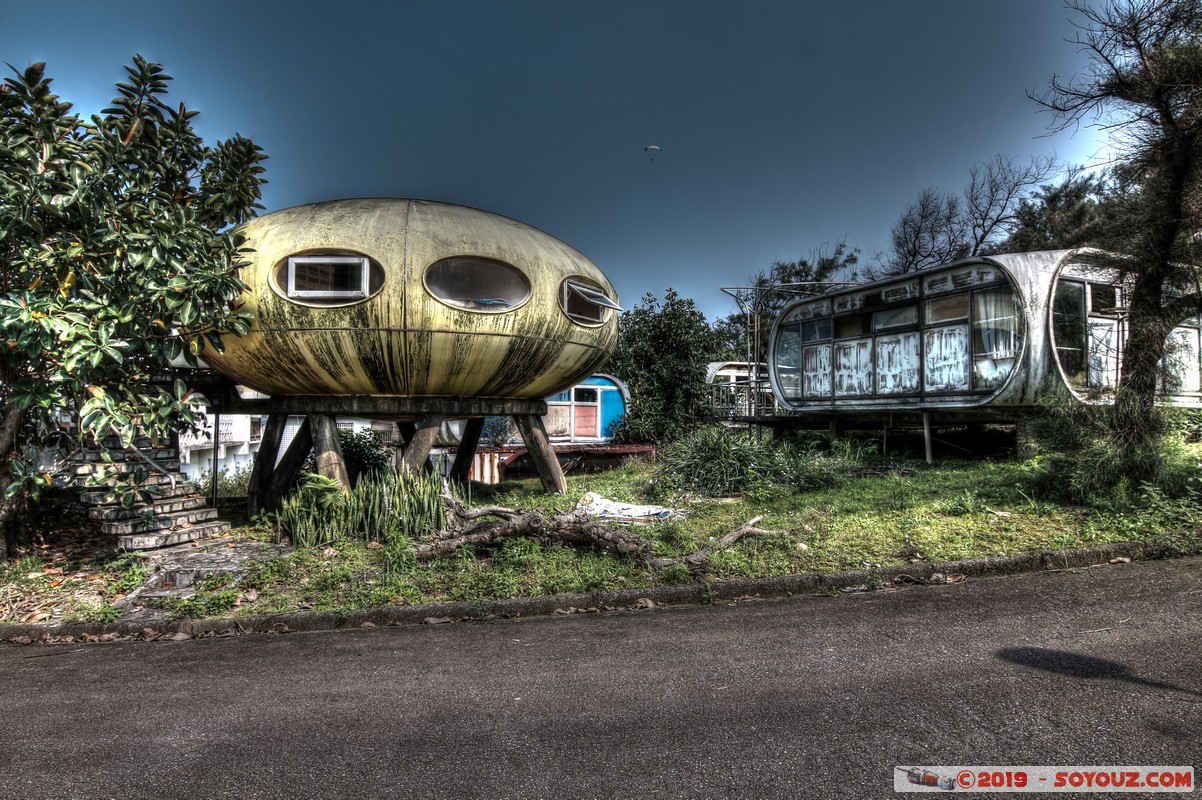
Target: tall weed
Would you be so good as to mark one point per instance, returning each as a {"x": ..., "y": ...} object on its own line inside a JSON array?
[
  {"x": 1081, "y": 456},
  {"x": 385, "y": 506},
  {"x": 715, "y": 461}
]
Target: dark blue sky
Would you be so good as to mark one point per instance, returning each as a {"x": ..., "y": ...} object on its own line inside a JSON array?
[{"x": 782, "y": 125}]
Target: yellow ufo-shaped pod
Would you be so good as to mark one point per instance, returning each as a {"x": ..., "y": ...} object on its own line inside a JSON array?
[{"x": 414, "y": 298}]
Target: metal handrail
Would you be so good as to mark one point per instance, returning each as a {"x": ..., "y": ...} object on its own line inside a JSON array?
[{"x": 150, "y": 461}]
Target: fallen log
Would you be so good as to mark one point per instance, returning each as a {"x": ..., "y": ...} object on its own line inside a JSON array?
[{"x": 470, "y": 527}]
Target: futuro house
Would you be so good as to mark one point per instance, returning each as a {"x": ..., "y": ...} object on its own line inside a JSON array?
[
  {"x": 411, "y": 298},
  {"x": 988, "y": 334}
]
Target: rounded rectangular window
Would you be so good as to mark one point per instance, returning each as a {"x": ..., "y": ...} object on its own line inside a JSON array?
[
  {"x": 787, "y": 364},
  {"x": 328, "y": 279}
]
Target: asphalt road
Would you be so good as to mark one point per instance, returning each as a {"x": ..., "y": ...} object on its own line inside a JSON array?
[{"x": 807, "y": 697}]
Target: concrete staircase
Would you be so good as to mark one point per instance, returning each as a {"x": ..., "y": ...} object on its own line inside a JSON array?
[{"x": 177, "y": 514}]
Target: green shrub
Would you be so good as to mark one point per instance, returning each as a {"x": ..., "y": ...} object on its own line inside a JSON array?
[
  {"x": 806, "y": 468},
  {"x": 229, "y": 484},
  {"x": 1082, "y": 455},
  {"x": 715, "y": 461},
  {"x": 363, "y": 452}
]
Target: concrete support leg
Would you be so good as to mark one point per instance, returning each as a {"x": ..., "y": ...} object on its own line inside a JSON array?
[
  {"x": 926, "y": 436},
  {"x": 214, "y": 475},
  {"x": 468, "y": 445},
  {"x": 541, "y": 453},
  {"x": 327, "y": 449},
  {"x": 261, "y": 474},
  {"x": 417, "y": 449},
  {"x": 405, "y": 430},
  {"x": 290, "y": 464}
]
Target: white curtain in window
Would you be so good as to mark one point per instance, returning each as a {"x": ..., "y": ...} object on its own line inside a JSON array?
[{"x": 995, "y": 323}]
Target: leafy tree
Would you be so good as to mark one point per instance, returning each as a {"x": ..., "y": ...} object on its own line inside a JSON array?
[
  {"x": 1060, "y": 216},
  {"x": 663, "y": 350},
  {"x": 744, "y": 334},
  {"x": 940, "y": 226},
  {"x": 1144, "y": 86},
  {"x": 116, "y": 257}
]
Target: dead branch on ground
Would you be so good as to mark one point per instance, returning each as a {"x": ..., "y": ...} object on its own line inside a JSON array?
[{"x": 469, "y": 527}]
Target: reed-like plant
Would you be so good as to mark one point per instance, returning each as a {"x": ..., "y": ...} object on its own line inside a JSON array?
[{"x": 392, "y": 507}]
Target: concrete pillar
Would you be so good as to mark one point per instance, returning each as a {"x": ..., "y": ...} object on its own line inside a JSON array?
[
  {"x": 327, "y": 449},
  {"x": 261, "y": 474},
  {"x": 417, "y": 449},
  {"x": 468, "y": 445},
  {"x": 541, "y": 453}
]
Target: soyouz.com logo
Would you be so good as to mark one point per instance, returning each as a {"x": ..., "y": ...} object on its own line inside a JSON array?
[{"x": 1043, "y": 779}]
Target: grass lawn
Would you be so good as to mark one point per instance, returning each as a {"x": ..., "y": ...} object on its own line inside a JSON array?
[{"x": 890, "y": 516}]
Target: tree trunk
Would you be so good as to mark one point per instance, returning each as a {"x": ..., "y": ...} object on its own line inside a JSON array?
[
  {"x": 12, "y": 510},
  {"x": 1135, "y": 422}
]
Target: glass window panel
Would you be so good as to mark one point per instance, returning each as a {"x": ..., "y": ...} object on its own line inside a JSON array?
[
  {"x": 946, "y": 358},
  {"x": 816, "y": 330},
  {"x": 1102, "y": 298},
  {"x": 892, "y": 318},
  {"x": 947, "y": 309},
  {"x": 787, "y": 363},
  {"x": 995, "y": 328},
  {"x": 327, "y": 278},
  {"x": 850, "y": 326},
  {"x": 1068, "y": 330},
  {"x": 853, "y": 368},
  {"x": 477, "y": 284},
  {"x": 995, "y": 323},
  {"x": 816, "y": 382},
  {"x": 897, "y": 363}
]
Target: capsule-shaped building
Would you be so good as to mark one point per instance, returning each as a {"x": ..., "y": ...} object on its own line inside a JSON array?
[
  {"x": 412, "y": 298},
  {"x": 988, "y": 334}
]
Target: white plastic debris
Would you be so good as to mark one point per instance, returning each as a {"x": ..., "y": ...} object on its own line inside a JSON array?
[{"x": 597, "y": 506}]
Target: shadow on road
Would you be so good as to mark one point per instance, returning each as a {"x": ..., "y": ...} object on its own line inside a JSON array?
[{"x": 1075, "y": 665}]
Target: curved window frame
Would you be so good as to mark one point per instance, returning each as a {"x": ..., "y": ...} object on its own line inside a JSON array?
[
  {"x": 587, "y": 293},
  {"x": 366, "y": 285},
  {"x": 491, "y": 305}
]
